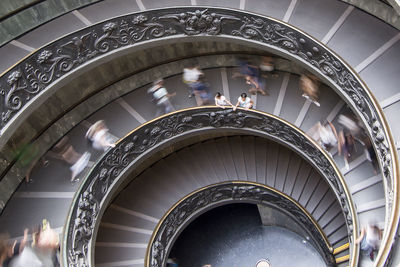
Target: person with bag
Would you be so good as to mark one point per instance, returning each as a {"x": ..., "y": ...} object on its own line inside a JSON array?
[{"x": 161, "y": 97}]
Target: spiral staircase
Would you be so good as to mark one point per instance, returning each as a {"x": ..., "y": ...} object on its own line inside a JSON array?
[
  {"x": 366, "y": 43},
  {"x": 203, "y": 164}
]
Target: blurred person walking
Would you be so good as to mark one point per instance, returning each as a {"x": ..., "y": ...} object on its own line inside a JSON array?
[
  {"x": 309, "y": 86},
  {"x": 370, "y": 153},
  {"x": 161, "y": 98},
  {"x": 325, "y": 134},
  {"x": 191, "y": 77},
  {"x": 351, "y": 124},
  {"x": 172, "y": 262},
  {"x": 202, "y": 92},
  {"x": 267, "y": 67},
  {"x": 369, "y": 240},
  {"x": 99, "y": 136},
  {"x": 66, "y": 152},
  {"x": 346, "y": 146},
  {"x": 251, "y": 73},
  {"x": 9, "y": 252}
]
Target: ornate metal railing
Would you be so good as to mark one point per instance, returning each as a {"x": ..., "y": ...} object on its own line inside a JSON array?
[
  {"x": 372, "y": 7},
  {"x": 29, "y": 79},
  {"x": 196, "y": 203},
  {"x": 95, "y": 191}
]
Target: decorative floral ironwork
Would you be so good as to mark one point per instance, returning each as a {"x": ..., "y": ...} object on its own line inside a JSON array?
[
  {"x": 181, "y": 215},
  {"x": 35, "y": 73},
  {"x": 119, "y": 159},
  {"x": 200, "y": 22},
  {"x": 64, "y": 55},
  {"x": 270, "y": 33}
]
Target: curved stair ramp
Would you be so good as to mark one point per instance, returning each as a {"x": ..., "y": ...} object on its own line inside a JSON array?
[
  {"x": 112, "y": 170},
  {"x": 382, "y": 52},
  {"x": 234, "y": 87},
  {"x": 127, "y": 225}
]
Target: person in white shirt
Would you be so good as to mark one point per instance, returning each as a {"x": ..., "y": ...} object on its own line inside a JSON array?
[
  {"x": 191, "y": 77},
  {"x": 328, "y": 137},
  {"x": 244, "y": 101},
  {"x": 161, "y": 97},
  {"x": 369, "y": 240},
  {"x": 221, "y": 101},
  {"x": 99, "y": 136}
]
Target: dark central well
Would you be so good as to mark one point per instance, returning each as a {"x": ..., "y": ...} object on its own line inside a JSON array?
[{"x": 233, "y": 235}]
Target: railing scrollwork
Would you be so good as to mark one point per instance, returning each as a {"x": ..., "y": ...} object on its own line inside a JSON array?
[
  {"x": 89, "y": 200},
  {"x": 203, "y": 199},
  {"x": 29, "y": 79}
]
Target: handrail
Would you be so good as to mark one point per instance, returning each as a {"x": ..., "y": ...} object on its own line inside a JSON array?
[
  {"x": 194, "y": 204},
  {"x": 110, "y": 171},
  {"x": 32, "y": 76},
  {"x": 377, "y": 8}
]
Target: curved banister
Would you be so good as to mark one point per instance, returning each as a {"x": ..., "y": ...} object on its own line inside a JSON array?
[
  {"x": 110, "y": 171},
  {"x": 208, "y": 197},
  {"x": 27, "y": 81},
  {"x": 378, "y": 8}
]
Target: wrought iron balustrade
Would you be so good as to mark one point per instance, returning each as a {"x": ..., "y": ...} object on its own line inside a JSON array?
[
  {"x": 109, "y": 172},
  {"x": 27, "y": 81}
]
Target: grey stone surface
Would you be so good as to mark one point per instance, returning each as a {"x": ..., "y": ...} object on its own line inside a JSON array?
[
  {"x": 271, "y": 216},
  {"x": 108, "y": 9},
  {"x": 137, "y": 97},
  {"x": 381, "y": 76},
  {"x": 371, "y": 193},
  {"x": 221, "y": 3},
  {"x": 9, "y": 55},
  {"x": 31, "y": 212},
  {"x": 379, "y": 9},
  {"x": 272, "y": 8},
  {"x": 293, "y": 96},
  {"x": 10, "y": 6},
  {"x": 36, "y": 15},
  {"x": 52, "y": 30},
  {"x": 307, "y": 12},
  {"x": 363, "y": 33},
  {"x": 113, "y": 235},
  {"x": 150, "y": 4},
  {"x": 118, "y": 127},
  {"x": 395, "y": 4},
  {"x": 55, "y": 177},
  {"x": 359, "y": 174},
  {"x": 392, "y": 114},
  {"x": 118, "y": 254}
]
